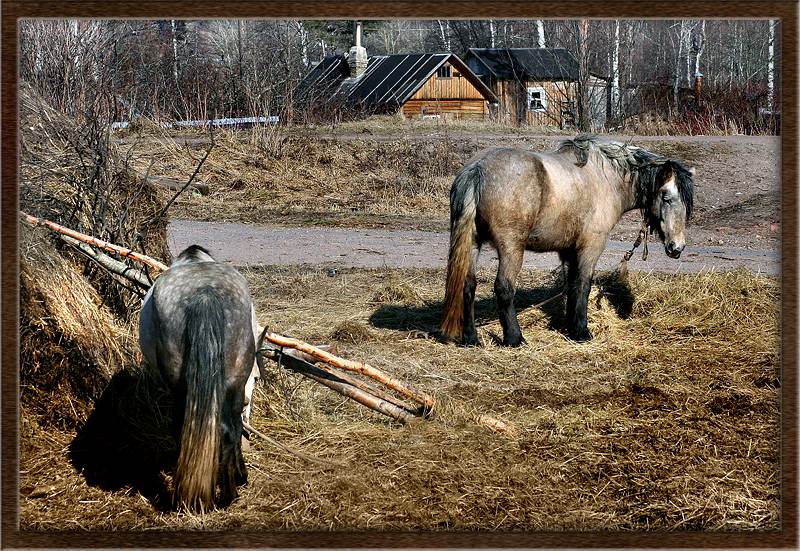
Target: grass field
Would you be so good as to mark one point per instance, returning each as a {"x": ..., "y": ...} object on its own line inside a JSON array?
[{"x": 669, "y": 419}]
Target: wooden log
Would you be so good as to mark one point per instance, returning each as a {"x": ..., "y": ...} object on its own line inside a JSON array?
[
  {"x": 349, "y": 365},
  {"x": 109, "y": 264},
  {"x": 375, "y": 391},
  {"x": 122, "y": 251},
  {"x": 336, "y": 384}
]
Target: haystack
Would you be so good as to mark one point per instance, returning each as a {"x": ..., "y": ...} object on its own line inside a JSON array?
[{"x": 75, "y": 320}]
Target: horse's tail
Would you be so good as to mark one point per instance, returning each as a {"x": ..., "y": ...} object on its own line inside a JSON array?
[
  {"x": 203, "y": 377},
  {"x": 464, "y": 197}
]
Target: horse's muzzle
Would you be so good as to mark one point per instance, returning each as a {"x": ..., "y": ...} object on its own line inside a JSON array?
[{"x": 672, "y": 250}]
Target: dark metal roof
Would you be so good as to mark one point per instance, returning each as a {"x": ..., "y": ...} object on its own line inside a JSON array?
[
  {"x": 523, "y": 63},
  {"x": 386, "y": 84}
]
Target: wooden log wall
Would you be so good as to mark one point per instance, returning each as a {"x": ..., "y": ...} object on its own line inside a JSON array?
[
  {"x": 451, "y": 97},
  {"x": 458, "y": 109},
  {"x": 513, "y": 101}
]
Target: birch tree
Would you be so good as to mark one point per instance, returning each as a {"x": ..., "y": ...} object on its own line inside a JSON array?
[
  {"x": 771, "y": 68},
  {"x": 540, "y": 33},
  {"x": 615, "y": 73},
  {"x": 444, "y": 34},
  {"x": 174, "y": 51},
  {"x": 698, "y": 47},
  {"x": 682, "y": 33},
  {"x": 301, "y": 30}
]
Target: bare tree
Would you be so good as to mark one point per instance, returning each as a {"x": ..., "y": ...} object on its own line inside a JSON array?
[
  {"x": 771, "y": 68},
  {"x": 540, "y": 33}
]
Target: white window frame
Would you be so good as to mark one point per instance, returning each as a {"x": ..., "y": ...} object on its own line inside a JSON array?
[{"x": 542, "y": 107}]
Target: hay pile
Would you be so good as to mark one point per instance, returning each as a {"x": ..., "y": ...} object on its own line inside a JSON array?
[{"x": 75, "y": 320}]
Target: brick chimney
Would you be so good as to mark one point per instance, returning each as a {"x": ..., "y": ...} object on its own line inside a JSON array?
[{"x": 357, "y": 59}]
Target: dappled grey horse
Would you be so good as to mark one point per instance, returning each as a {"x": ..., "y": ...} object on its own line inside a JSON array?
[
  {"x": 197, "y": 329},
  {"x": 566, "y": 201}
]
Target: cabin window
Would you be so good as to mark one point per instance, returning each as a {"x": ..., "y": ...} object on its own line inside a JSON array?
[
  {"x": 537, "y": 99},
  {"x": 445, "y": 71}
]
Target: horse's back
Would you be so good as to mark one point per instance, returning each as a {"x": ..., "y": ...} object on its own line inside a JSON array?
[
  {"x": 544, "y": 196},
  {"x": 163, "y": 319}
]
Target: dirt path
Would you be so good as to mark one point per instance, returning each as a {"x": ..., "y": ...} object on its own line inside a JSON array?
[{"x": 249, "y": 244}]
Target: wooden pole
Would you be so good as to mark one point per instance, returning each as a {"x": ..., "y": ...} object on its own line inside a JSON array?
[
  {"x": 370, "y": 389},
  {"x": 122, "y": 251},
  {"x": 349, "y": 365},
  {"x": 337, "y": 384}
]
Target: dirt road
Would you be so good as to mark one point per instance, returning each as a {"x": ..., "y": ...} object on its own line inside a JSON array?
[{"x": 250, "y": 244}]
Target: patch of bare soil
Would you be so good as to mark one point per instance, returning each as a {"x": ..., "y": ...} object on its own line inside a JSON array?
[{"x": 668, "y": 420}]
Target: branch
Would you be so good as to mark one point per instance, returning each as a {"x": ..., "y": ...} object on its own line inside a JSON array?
[
  {"x": 332, "y": 381},
  {"x": 94, "y": 241},
  {"x": 110, "y": 264},
  {"x": 187, "y": 184}
]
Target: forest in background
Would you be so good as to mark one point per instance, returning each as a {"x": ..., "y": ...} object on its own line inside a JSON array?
[{"x": 188, "y": 70}]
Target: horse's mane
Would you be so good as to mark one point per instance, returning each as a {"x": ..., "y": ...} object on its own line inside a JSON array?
[
  {"x": 643, "y": 166},
  {"x": 194, "y": 253}
]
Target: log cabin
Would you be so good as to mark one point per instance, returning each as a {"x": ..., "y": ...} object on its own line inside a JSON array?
[
  {"x": 537, "y": 86},
  {"x": 348, "y": 86}
]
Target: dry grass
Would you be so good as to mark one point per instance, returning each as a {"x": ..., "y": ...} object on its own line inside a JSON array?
[
  {"x": 667, "y": 420},
  {"x": 70, "y": 341},
  {"x": 264, "y": 175},
  {"x": 295, "y": 177}
]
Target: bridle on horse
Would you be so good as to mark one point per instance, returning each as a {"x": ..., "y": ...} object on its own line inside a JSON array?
[{"x": 642, "y": 235}]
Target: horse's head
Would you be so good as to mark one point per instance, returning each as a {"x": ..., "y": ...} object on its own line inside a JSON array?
[{"x": 671, "y": 206}]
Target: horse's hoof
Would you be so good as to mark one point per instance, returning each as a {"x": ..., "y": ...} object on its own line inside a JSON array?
[
  {"x": 470, "y": 341},
  {"x": 516, "y": 343},
  {"x": 580, "y": 336}
]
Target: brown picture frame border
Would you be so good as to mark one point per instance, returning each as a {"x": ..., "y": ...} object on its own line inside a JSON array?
[{"x": 784, "y": 10}]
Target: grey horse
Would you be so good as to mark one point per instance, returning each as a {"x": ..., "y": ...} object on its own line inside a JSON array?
[
  {"x": 197, "y": 329},
  {"x": 566, "y": 201}
]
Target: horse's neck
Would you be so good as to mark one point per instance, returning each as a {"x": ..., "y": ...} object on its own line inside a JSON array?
[{"x": 631, "y": 199}]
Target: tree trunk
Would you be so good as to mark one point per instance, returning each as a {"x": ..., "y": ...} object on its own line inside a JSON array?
[
  {"x": 584, "y": 111},
  {"x": 303, "y": 42},
  {"x": 676, "y": 81},
  {"x": 540, "y": 33},
  {"x": 444, "y": 34},
  {"x": 615, "y": 74},
  {"x": 492, "y": 32},
  {"x": 687, "y": 43},
  {"x": 771, "y": 68},
  {"x": 701, "y": 45},
  {"x": 174, "y": 51}
]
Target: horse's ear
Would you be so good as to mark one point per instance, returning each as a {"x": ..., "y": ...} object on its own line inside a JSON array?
[{"x": 691, "y": 171}]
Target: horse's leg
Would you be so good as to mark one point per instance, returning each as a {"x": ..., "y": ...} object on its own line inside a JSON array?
[
  {"x": 248, "y": 403},
  {"x": 470, "y": 283},
  {"x": 230, "y": 465},
  {"x": 580, "y": 271},
  {"x": 510, "y": 256}
]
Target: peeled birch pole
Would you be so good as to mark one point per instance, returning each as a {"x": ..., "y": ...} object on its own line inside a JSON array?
[
  {"x": 368, "y": 388},
  {"x": 335, "y": 383},
  {"x": 122, "y": 251},
  {"x": 349, "y": 365}
]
